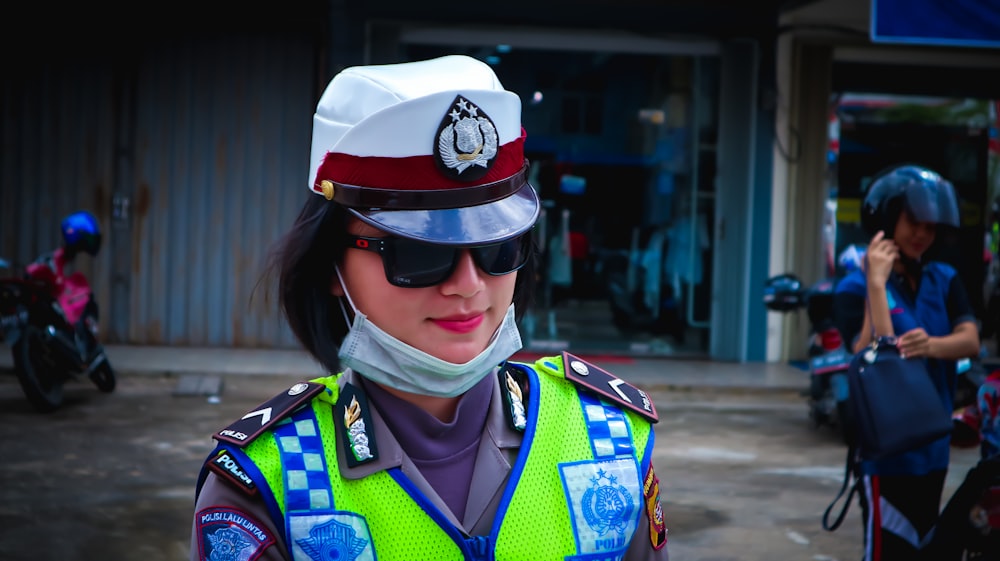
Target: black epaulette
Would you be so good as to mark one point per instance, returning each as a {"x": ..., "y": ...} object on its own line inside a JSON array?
[
  {"x": 595, "y": 379},
  {"x": 250, "y": 426}
]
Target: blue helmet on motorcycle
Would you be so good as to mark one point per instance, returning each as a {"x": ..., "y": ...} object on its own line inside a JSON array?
[
  {"x": 922, "y": 192},
  {"x": 81, "y": 232}
]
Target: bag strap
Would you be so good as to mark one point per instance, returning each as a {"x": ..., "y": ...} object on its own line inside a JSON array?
[{"x": 848, "y": 475}]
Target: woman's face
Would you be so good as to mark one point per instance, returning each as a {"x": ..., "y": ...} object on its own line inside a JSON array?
[
  {"x": 913, "y": 237},
  {"x": 453, "y": 321}
]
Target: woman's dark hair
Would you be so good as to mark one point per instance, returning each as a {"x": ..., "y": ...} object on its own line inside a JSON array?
[{"x": 303, "y": 262}]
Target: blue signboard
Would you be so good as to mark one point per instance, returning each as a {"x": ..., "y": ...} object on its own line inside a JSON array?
[{"x": 961, "y": 23}]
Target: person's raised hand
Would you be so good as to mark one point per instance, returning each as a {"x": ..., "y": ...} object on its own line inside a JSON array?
[{"x": 881, "y": 254}]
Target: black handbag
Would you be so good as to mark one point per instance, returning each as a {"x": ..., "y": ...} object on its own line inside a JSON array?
[{"x": 893, "y": 407}]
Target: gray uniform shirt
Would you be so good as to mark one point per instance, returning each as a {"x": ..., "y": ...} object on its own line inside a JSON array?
[{"x": 497, "y": 452}]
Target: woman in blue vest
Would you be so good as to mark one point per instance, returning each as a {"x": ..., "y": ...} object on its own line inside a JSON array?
[
  {"x": 924, "y": 304},
  {"x": 404, "y": 275}
]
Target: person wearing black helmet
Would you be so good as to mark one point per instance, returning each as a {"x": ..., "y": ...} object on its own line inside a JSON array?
[
  {"x": 925, "y": 305},
  {"x": 403, "y": 276}
]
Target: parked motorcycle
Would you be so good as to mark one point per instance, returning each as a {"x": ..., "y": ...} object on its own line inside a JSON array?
[
  {"x": 50, "y": 319},
  {"x": 827, "y": 354},
  {"x": 991, "y": 320},
  {"x": 968, "y": 527}
]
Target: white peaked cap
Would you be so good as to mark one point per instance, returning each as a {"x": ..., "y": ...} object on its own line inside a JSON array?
[{"x": 431, "y": 150}]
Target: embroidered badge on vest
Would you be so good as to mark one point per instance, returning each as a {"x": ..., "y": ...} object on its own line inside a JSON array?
[
  {"x": 603, "y": 492},
  {"x": 467, "y": 142},
  {"x": 603, "y": 497},
  {"x": 354, "y": 420},
  {"x": 333, "y": 540},
  {"x": 227, "y": 467},
  {"x": 616, "y": 390},
  {"x": 343, "y": 536},
  {"x": 654, "y": 511},
  {"x": 251, "y": 425},
  {"x": 513, "y": 380},
  {"x": 227, "y": 534}
]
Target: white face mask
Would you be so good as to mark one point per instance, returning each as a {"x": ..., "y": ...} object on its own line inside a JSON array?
[{"x": 382, "y": 358}]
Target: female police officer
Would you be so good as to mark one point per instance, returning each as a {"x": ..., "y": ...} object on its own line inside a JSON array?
[{"x": 408, "y": 266}]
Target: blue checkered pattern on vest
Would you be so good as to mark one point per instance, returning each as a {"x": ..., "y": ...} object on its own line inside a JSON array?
[
  {"x": 609, "y": 433},
  {"x": 307, "y": 486}
]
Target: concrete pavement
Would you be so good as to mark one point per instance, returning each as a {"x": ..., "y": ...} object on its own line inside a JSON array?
[
  {"x": 648, "y": 373},
  {"x": 111, "y": 476}
]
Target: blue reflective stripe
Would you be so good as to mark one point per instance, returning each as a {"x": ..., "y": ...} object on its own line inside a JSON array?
[
  {"x": 607, "y": 428},
  {"x": 307, "y": 486}
]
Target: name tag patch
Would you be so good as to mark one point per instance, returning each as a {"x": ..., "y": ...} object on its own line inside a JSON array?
[{"x": 227, "y": 467}]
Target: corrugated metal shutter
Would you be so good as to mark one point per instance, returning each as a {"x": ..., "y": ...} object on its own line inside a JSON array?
[
  {"x": 223, "y": 130},
  {"x": 56, "y": 157}
]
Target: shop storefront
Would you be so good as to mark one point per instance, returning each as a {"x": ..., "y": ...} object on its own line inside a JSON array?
[
  {"x": 681, "y": 150},
  {"x": 870, "y": 84},
  {"x": 622, "y": 145}
]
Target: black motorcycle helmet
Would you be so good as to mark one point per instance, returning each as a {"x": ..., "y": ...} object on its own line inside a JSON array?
[
  {"x": 922, "y": 192},
  {"x": 783, "y": 293},
  {"x": 819, "y": 302}
]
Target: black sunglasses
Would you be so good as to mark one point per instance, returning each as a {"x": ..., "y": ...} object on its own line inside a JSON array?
[{"x": 412, "y": 264}]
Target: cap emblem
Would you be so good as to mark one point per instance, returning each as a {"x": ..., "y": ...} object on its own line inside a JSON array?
[{"x": 467, "y": 142}]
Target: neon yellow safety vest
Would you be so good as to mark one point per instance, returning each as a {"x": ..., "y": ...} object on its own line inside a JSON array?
[{"x": 575, "y": 490}]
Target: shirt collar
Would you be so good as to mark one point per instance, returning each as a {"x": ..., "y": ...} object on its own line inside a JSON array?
[{"x": 390, "y": 453}]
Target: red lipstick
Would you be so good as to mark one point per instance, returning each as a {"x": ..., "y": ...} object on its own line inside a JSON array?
[{"x": 459, "y": 324}]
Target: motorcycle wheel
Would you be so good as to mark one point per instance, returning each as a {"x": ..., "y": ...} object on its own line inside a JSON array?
[
  {"x": 37, "y": 371},
  {"x": 104, "y": 377}
]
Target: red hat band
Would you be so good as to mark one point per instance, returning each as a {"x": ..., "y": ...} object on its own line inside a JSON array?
[{"x": 417, "y": 182}]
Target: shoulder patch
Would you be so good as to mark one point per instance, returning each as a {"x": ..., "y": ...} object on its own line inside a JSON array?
[
  {"x": 597, "y": 380},
  {"x": 251, "y": 425},
  {"x": 226, "y": 533},
  {"x": 654, "y": 510},
  {"x": 226, "y": 466}
]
